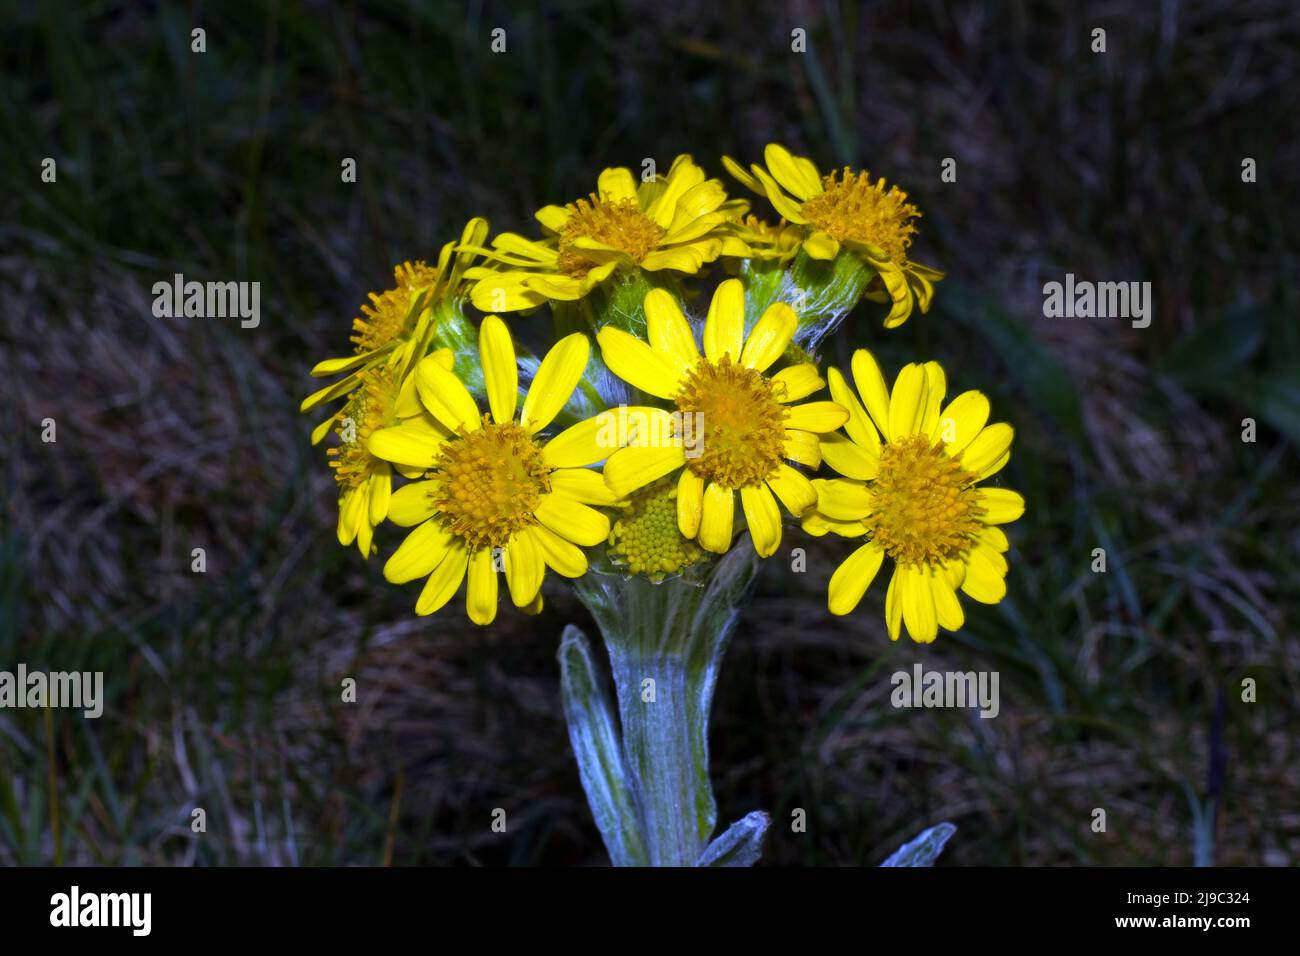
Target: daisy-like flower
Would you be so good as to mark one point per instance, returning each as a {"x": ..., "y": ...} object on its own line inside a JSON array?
[
  {"x": 364, "y": 480},
  {"x": 913, "y": 468},
  {"x": 674, "y": 222},
  {"x": 495, "y": 495},
  {"x": 847, "y": 211},
  {"x": 393, "y": 328},
  {"x": 732, "y": 426}
]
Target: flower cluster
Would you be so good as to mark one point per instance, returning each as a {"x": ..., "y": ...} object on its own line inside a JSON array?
[{"x": 658, "y": 422}]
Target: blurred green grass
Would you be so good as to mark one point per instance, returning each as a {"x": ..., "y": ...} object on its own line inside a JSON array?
[{"x": 223, "y": 688}]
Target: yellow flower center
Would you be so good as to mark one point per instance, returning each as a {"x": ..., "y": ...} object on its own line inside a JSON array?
[
  {"x": 619, "y": 224},
  {"x": 489, "y": 482},
  {"x": 645, "y": 538},
  {"x": 853, "y": 209},
  {"x": 372, "y": 406},
  {"x": 743, "y": 438},
  {"x": 924, "y": 508},
  {"x": 384, "y": 319}
]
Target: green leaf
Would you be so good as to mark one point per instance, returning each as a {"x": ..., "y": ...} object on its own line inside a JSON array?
[
  {"x": 600, "y": 756},
  {"x": 925, "y": 849},
  {"x": 741, "y": 845}
]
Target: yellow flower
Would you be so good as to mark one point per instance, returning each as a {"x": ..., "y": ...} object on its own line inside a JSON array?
[
  {"x": 645, "y": 538},
  {"x": 849, "y": 211},
  {"x": 495, "y": 495},
  {"x": 915, "y": 496},
  {"x": 731, "y": 428},
  {"x": 674, "y": 222},
  {"x": 364, "y": 480},
  {"x": 393, "y": 328}
]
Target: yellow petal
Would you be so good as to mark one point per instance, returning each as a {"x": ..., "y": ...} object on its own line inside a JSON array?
[
  {"x": 718, "y": 515},
  {"x": 820, "y": 417},
  {"x": 553, "y": 217},
  {"x": 328, "y": 393},
  {"x": 797, "y": 174},
  {"x": 668, "y": 330},
  {"x": 582, "y": 484},
  {"x": 796, "y": 492},
  {"x": 1001, "y": 505},
  {"x": 739, "y": 172},
  {"x": 444, "y": 582},
  {"x": 859, "y": 426},
  {"x": 352, "y": 512},
  {"x": 381, "y": 490},
  {"x": 616, "y": 184},
  {"x": 421, "y": 552},
  {"x": 412, "y": 503},
  {"x": 769, "y": 337},
  {"x": 688, "y": 258},
  {"x": 849, "y": 458},
  {"x": 406, "y": 445},
  {"x": 500, "y": 371},
  {"x": 499, "y": 294},
  {"x": 962, "y": 420},
  {"x": 907, "y": 402},
  {"x": 817, "y": 524},
  {"x": 787, "y": 207},
  {"x": 690, "y": 503},
  {"x": 872, "y": 389},
  {"x": 724, "y": 327},
  {"x": 821, "y": 246},
  {"x": 936, "y": 388},
  {"x": 346, "y": 363},
  {"x": 899, "y": 292},
  {"x": 571, "y": 520},
  {"x": 562, "y": 557},
  {"x": 797, "y": 381},
  {"x": 555, "y": 381},
  {"x": 802, "y": 447},
  {"x": 947, "y": 607},
  {"x": 631, "y": 468},
  {"x": 894, "y": 604},
  {"x": 842, "y": 499},
  {"x": 481, "y": 594},
  {"x": 585, "y": 443},
  {"x": 852, "y": 578},
  {"x": 763, "y": 518},
  {"x": 524, "y": 569},
  {"x": 985, "y": 575},
  {"x": 323, "y": 429},
  {"x": 918, "y": 605},
  {"x": 638, "y": 364},
  {"x": 994, "y": 537},
  {"x": 445, "y": 396},
  {"x": 988, "y": 449}
]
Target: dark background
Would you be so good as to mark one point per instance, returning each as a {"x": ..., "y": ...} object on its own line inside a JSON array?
[{"x": 223, "y": 688}]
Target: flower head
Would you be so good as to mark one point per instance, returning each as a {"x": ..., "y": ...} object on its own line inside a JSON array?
[
  {"x": 645, "y": 538},
  {"x": 913, "y": 468},
  {"x": 671, "y": 222},
  {"x": 494, "y": 493},
  {"x": 393, "y": 327},
  {"x": 847, "y": 210},
  {"x": 732, "y": 425}
]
